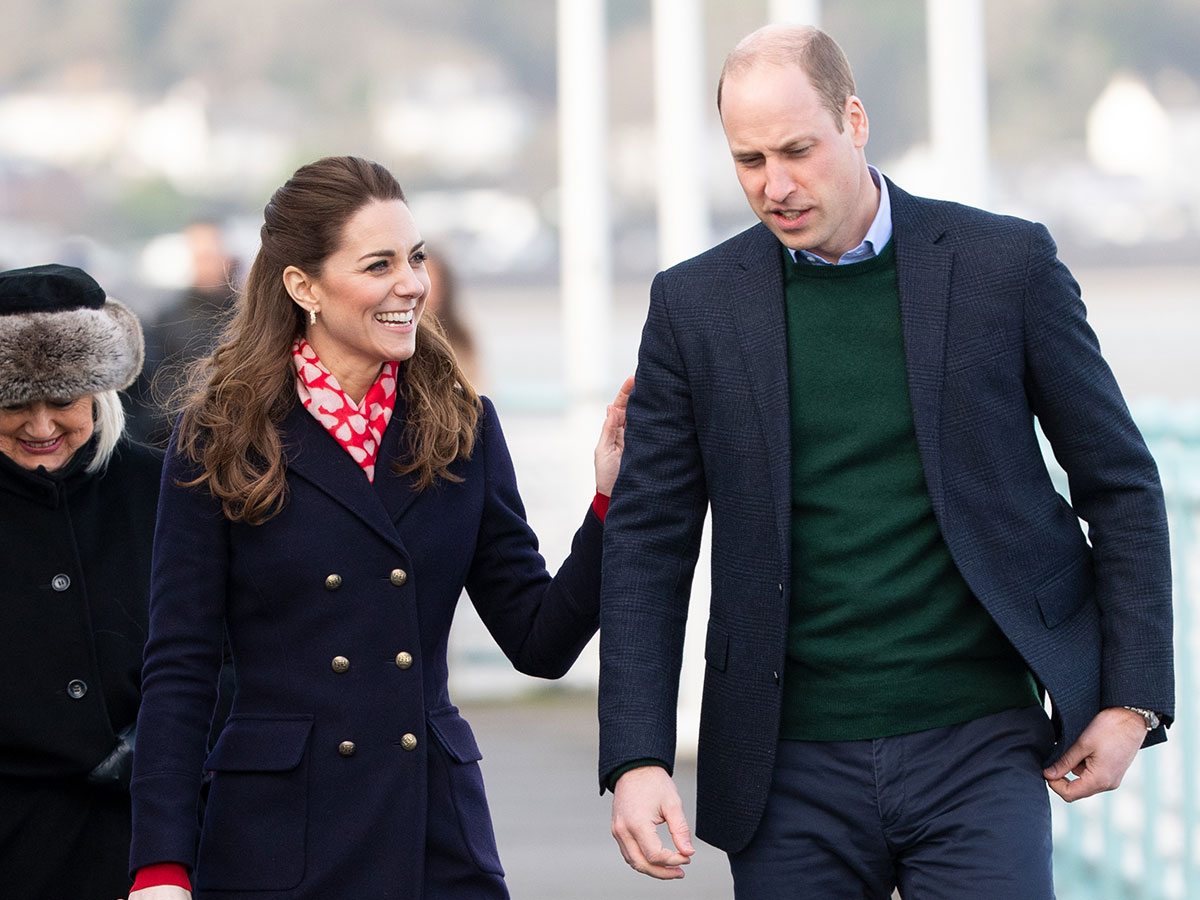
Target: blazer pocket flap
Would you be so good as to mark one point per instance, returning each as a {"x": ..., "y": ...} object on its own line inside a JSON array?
[
  {"x": 716, "y": 647},
  {"x": 1059, "y": 597},
  {"x": 260, "y": 744},
  {"x": 454, "y": 733}
]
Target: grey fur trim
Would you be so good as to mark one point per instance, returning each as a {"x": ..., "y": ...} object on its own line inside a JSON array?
[{"x": 70, "y": 353}]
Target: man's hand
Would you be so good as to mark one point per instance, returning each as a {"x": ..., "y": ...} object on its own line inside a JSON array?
[
  {"x": 1101, "y": 755},
  {"x": 643, "y": 799}
]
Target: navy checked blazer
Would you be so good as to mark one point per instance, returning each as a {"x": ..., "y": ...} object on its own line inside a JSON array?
[{"x": 995, "y": 337}]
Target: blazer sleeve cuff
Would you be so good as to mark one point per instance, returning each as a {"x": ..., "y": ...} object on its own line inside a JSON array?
[{"x": 610, "y": 782}]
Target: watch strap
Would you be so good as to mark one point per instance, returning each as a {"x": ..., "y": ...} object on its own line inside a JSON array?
[{"x": 1149, "y": 715}]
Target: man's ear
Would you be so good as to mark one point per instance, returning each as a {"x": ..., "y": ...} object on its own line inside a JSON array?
[{"x": 856, "y": 119}]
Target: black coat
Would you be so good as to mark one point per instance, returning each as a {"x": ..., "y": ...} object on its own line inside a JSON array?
[{"x": 75, "y": 557}]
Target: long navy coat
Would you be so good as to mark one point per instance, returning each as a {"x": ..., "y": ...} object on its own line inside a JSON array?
[
  {"x": 338, "y": 611},
  {"x": 995, "y": 336}
]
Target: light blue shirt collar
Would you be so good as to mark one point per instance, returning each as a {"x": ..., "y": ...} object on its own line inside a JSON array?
[{"x": 877, "y": 237}]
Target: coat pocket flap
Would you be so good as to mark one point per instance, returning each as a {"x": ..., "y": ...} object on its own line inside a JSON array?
[
  {"x": 260, "y": 744},
  {"x": 454, "y": 733}
]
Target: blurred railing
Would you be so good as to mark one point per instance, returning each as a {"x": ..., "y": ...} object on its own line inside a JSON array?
[{"x": 1142, "y": 841}]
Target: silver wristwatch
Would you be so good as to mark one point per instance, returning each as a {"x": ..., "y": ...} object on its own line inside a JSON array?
[{"x": 1150, "y": 716}]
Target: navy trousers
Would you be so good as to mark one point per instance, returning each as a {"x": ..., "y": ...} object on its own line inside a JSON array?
[{"x": 944, "y": 814}]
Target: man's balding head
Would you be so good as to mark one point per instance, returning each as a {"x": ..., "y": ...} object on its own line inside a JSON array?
[{"x": 812, "y": 50}]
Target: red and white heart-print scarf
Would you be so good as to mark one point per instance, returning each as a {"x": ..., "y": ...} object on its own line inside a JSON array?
[{"x": 358, "y": 428}]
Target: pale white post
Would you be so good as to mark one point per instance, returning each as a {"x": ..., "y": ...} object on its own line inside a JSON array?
[
  {"x": 958, "y": 115},
  {"x": 584, "y": 221},
  {"x": 795, "y": 12},
  {"x": 680, "y": 89}
]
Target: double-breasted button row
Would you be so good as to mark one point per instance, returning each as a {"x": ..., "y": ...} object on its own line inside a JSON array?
[
  {"x": 408, "y": 742},
  {"x": 340, "y": 664},
  {"x": 333, "y": 581}
]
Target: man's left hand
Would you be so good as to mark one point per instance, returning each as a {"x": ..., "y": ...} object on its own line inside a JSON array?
[{"x": 1101, "y": 755}]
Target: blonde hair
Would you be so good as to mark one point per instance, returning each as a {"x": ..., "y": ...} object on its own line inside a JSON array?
[{"x": 108, "y": 423}]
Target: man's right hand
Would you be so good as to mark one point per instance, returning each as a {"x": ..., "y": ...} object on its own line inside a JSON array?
[{"x": 643, "y": 799}]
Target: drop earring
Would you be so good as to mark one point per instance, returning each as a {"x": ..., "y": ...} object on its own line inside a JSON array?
[{"x": 312, "y": 316}]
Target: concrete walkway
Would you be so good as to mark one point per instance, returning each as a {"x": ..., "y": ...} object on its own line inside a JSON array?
[{"x": 552, "y": 826}]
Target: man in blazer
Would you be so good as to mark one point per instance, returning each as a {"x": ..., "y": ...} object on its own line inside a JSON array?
[{"x": 897, "y": 587}]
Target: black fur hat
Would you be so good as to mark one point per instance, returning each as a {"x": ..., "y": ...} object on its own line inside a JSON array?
[{"x": 61, "y": 338}]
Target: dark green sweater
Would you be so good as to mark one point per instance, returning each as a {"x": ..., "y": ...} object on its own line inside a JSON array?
[{"x": 884, "y": 635}]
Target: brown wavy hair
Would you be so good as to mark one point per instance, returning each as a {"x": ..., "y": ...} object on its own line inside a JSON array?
[{"x": 240, "y": 395}]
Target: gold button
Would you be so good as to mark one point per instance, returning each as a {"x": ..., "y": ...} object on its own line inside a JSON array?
[
  {"x": 408, "y": 742},
  {"x": 398, "y": 577},
  {"x": 346, "y": 748},
  {"x": 340, "y": 664},
  {"x": 333, "y": 582},
  {"x": 404, "y": 659}
]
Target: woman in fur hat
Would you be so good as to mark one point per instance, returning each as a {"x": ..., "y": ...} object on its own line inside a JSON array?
[
  {"x": 77, "y": 504},
  {"x": 330, "y": 489}
]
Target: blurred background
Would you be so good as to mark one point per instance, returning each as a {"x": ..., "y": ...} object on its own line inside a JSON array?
[{"x": 556, "y": 155}]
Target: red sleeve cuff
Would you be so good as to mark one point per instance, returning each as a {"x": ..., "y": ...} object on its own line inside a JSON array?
[
  {"x": 156, "y": 874},
  {"x": 600, "y": 506}
]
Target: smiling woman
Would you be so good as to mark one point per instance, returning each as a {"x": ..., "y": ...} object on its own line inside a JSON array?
[
  {"x": 77, "y": 505},
  {"x": 65, "y": 348},
  {"x": 365, "y": 306},
  {"x": 45, "y": 432},
  {"x": 333, "y": 485}
]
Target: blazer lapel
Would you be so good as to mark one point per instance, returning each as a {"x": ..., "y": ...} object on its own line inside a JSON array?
[
  {"x": 759, "y": 317},
  {"x": 315, "y": 456},
  {"x": 923, "y": 269}
]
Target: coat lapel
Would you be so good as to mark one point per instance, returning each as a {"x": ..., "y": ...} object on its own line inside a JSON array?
[
  {"x": 759, "y": 316},
  {"x": 316, "y": 457},
  {"x": 396, "y": 492},
  {"x": 923, "y": 269}
]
